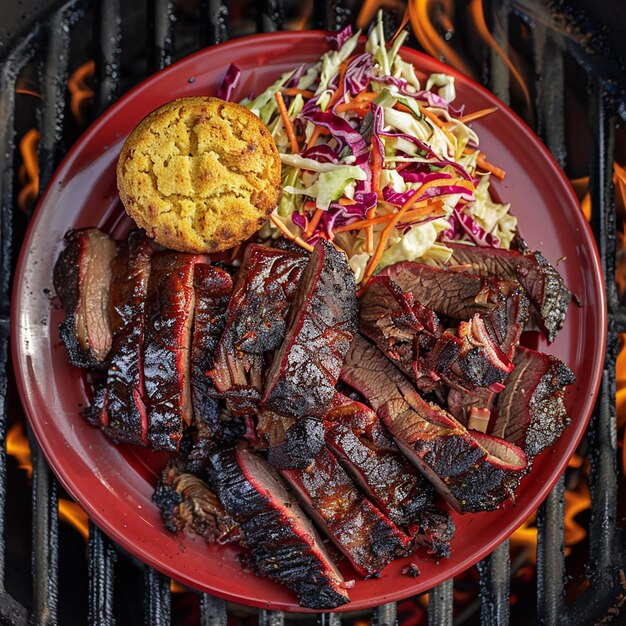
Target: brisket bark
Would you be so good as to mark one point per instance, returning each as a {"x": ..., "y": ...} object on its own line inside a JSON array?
[
  {"x": 322, "y": 322},
  {"x": 82, "y": 277},
  {"x": 256, "y": 323},
  {"x": 531, "y": 409},
  {"x": 126, "y": 418},
  {"x": 187, "y": 503},
  {"x": 283, "y": 544},
  {"x": 543, "y": 284},
  {"x": 212, "y": 288},
  {"x": 361, "y": 443},
  {"x": 169, "y": 318},
  {"x": 473, "y": 472},
  {"x": 365, "y": 535},
  {"x": 456, "y": 294}
]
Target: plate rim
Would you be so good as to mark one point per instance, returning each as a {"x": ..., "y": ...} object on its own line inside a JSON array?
[{"x": 101, "y": 520}]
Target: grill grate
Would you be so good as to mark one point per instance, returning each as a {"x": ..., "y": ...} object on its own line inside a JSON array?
[{"x": 48, "y": 44}]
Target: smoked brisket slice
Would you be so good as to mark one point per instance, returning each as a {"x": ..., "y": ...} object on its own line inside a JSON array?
[
  {"x": 187, "y": 503},
  {"x": 256, "y": 321},
  {"x": 169, "y": 319},
  {"x": 531, "y": 409},
  {"x": 457, "y": 294},
  {"x": 541, "y": 281},
  {"x": 212, "y": 288},
  {"x": 473, "y": 472},
  {"x": 323, "y": 320},
  {"x": 362, "y": 445},
  {"x": 82, "y": 277},
  {"x": 367, "y": 537},
  {"x": 126, "y": 418},
  {"x": 283, "y": 544}
]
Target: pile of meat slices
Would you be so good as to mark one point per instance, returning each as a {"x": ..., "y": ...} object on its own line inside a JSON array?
[{"x": 287, "y": 400}]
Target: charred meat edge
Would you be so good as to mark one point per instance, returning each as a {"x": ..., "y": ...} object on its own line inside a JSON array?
[
  {"x": 472, "y": 472},
  {"x": 82, "y": 277},
  {"x": 283, "y": 544}
]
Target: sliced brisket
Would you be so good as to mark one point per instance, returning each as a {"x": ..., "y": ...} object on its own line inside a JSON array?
[
  {"x": 256, "y": 323},
  {"x": 169, "y": 318},
  {"x": 82, "y": 277},
  {"x": 324, "y": 317},
  {"x": 362, "y": 445},
  {"x": 456, "y": 294},
  {"x": 187, "y": 503},
  {"x": 531, "y": 409},
  {"x": 284, "y": 545},
  {"x": 469, "y": 475},
  {"x": 365, "y": 535},
  {"x": 543, "y": 284},
  {"x": 126, "y": 418}
]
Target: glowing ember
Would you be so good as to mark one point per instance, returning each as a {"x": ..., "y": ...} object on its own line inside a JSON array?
[
  {"x": 29, "y": 171},
  {"x": 81, "y": 92}
]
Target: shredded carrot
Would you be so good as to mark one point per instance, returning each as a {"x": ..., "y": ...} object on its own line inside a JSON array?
[
  {"x": 490, "y": 167},
  {"x": 317, "y": 131},
  {"x": 470, "y": 117},
  {"x": 376, "y": 167},
  {"x": 346, "y": 201},
  {"x": 342, "y": 72},
  {"x": 292, "y": 91},
  {"x": 287, "y": 122},
  {"x": 437, "y": 122},
  {"x": 375, "y": 259},
  {"x": 315, "y": 220},
  {"x": 303, "y": 244}
]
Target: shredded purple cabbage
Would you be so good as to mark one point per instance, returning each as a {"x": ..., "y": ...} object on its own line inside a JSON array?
[
  {"x": 230, "y": 82},
  {"x": 358, "y": 74},
  {"x": 336, "y": 40},
  {"x": 475, "y": 231},
  {"x": 299, "y": 220},
  {"x": 322, "y": 153}
]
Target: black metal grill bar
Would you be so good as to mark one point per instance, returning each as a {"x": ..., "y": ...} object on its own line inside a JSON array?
[
  {"x": 214, "y": 14},
  {"x": 329, "y": 619},
  {"x": 385, "y": 615},
  {"x": 162, "y": 20},
  {"x": 495, "y": 574},
  {"x": 157, "y": 609},
  {"x": 45, "y": 555},
  {"x": 271, "y": 618},
  {"x": 101, "y": 568},
  {"x": 270, "y": 16},
  {"x": 213, "y": 611},
  {"x": 440, "y": 604},
  {"x": 499, "y": 75},
  {"x": 109, "y": 36},
  {"x": 550, "y": 556}
]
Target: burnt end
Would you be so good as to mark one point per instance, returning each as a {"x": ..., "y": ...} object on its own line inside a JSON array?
[
  {"x": 96, "y": 412},
  {"x": 187, "y": 503},
  {"x": 469, "y": 475},
  {"x": 126, "y": 413},
  {"x": 531, "y": 409},
  {"x": 457, "y": 294},
  {"x": 256, "y": 322},
  {"x": 169, "y": 317},
  {"x": 82, "y": 277},
  {"x": 322, "y": 322},
  {"x": 541, "y": 281},
  {"x": 363, "y": 533},
  {"x": 463, "y": 403},
  {"x": 361, "y": 444},
  {"x": 302, "y": 443},
  {"x": 282, "y": 542},
  {"x": 507, "y": 320}
]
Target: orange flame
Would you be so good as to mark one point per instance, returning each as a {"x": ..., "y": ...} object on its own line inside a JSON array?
[
  {"x": 70, "y": 512},
  {"x": 29, "y": 171},
  {"x": 81, "y": 92}
]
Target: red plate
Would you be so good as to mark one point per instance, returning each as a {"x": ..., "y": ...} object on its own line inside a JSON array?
[{"x": 114, "y": 483}]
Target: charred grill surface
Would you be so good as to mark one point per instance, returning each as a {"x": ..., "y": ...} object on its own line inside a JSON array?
[
  {"x": 187, "y": 503},
  {"x": 82, "y": 276},
  {"x": 126, "y": 418},
  {"x": 531, "y": 409},
  {"x": 363, "y": 533},
  {"x": 456, "y": 294},
  {"x": 256, "y": 323},
  {"x": 283, "y": 544},
  {"x": 361, "y": 443},
  {"x": 468, "y": 475},
  {"x": 169, "y": 318},
  {"x": 543, "y": 284},
  {"x": 322, "y": 322}
]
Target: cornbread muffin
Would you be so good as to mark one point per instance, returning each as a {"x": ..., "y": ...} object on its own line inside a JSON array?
[{"x": 199, "y": 174}]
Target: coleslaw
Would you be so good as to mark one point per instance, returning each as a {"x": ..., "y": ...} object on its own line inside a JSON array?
[{"x": 377, "y": 160}]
